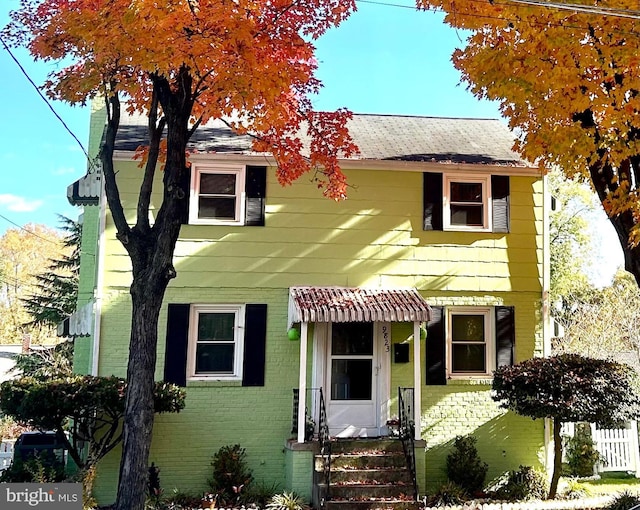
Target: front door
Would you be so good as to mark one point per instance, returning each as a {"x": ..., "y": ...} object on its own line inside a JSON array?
[{"x": 352, "y": 372}]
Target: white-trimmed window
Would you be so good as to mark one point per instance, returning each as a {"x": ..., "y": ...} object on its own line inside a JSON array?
[
  {"x": 217, "y": 194},
  {"x": 466, "y": 203},
  {"x": 216, "y": 345},
  {"x": 470, "y": 343}
]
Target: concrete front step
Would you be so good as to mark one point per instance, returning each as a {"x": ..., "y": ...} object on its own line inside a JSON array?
[
  {"x": 367, "y": 474},
  {"x": 348, "y": 461},
  {"x": 370, "y": 491},
  {"x": 394, "y": 504},
  {"x": 387, "y": 476},
  {"x": 366, "y": 445}
]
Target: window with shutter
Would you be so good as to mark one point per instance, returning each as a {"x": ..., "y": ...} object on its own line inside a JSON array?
[
  {"x": 467, "y": 342},
  {"x": 465, "y": 202},
  {"x": 216, "y": 343},
  {"x": 227, "y": 195}
]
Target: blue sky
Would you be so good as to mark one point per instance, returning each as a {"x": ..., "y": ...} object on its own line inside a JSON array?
[{"x": 383, "y": 59}]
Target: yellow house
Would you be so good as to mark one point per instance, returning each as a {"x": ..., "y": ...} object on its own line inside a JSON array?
[{"x": 296, "y": 322}]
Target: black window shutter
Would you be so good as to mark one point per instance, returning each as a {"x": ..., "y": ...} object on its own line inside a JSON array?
[
  {"x": 432, "y": 201},
  {"x": 255, "y": 188},
  {"x": 255, "y": 342},
  {"x": 175, "y": 354},
  {"x": 500, "y": 202},
  {"x": 436, "y": 349},
  {"x": 505, "y": 335}
]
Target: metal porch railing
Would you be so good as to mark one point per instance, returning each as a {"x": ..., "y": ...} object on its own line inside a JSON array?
[
  {"x": 406, "y": 430},
  {"x": 316, "y": 427}
]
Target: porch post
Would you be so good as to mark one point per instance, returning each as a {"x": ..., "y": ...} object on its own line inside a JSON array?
[
  {"x": 302, "y": 384},
  {"x": 417, "y": 380}
]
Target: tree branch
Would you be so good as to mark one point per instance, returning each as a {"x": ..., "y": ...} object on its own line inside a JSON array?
[
  {"x": 156, "y": 129},
  {"x": 106, "y": 157}
]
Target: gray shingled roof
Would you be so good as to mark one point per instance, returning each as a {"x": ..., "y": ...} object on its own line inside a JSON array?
[{"x": 379, "y": 137}]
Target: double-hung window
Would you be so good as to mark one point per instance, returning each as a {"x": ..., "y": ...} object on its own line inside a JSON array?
[
  {"x": 215, "y": 342},
  {"x": 217, "y": 194},
  {"x": 466, "y": 203},
  {"x": 470, "y": 341}
]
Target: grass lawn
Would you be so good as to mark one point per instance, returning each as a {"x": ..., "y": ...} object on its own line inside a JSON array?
[{"x": 611, "y": 483}]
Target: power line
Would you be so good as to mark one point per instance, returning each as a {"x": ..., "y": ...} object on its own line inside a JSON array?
[
  {"x": 591, "y": 9},
  {"x": 606, "y": 11},
  {"x": 28, "y": 231},
  {"x": 49, "y": 105},
  {"x": 40, "y": 237},
  {"x": 14, "y": 281}
]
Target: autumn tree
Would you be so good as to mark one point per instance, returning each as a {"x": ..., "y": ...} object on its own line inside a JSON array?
[
  {"x": 604, "y": 322},
  {"x": 570, "y": 242},
  {"x": 182, "y": 63},
  {"x": 567, "y": 80},
  {"x": 567, "y": 388},
  {"x": 23, "y": 254}
]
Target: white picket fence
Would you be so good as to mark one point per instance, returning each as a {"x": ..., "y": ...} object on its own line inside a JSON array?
[
  {"x": 618, "y": 447},
  {"x": 6, "y": 453}
]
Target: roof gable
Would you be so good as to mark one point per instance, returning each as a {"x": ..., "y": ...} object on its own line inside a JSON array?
[{"x": 379, "y": 137}]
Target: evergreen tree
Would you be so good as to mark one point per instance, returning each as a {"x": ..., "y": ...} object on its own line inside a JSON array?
[{"x": 57, "y": 288}]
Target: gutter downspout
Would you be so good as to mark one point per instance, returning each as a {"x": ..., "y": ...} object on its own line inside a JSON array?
[{"x": 97, "y": 293}]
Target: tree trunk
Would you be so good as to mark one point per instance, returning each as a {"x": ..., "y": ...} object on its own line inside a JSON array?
[
  {"x": 151, "y": 251},
  {"x": 605, "y": 181},
  {"x": 138, "y": 419},
  {"x": 557, "y": 458}
]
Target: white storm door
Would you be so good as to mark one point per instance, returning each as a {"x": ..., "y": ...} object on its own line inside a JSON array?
[{"x": 352, "y": 380}]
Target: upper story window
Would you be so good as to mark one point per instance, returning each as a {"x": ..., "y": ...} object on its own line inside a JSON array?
[
  {"x": 470, "y": 341},
  {"x": 466, "y": 204},
  {"x": 217, "y": 195},
  {"x": 215, "y": 342}
]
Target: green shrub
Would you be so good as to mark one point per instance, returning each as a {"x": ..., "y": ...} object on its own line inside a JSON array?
[
  {"x": 624, "y": 501},
  {"x": 178, "y": 499},
  {"x": 260, "y": 494},
  {"x": 448, "y": 494},
  {"x": 581, "y": 453},
  {"x": 230, "y": 475},
  {"x": 576, "y": 490},
  {"x": 464, "y": 466},
  {"x": 524, "y": 484},
  {"x": 286, "y": 501},
  {"x": 43, "y": 467}
]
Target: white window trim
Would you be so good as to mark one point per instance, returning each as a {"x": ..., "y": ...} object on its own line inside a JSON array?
[
  {"x": 486, "y": 202},
  {"x": 194, "y": 312},
  {"x": 489, "y": 331},
  {"x": 194, "y": 193}
]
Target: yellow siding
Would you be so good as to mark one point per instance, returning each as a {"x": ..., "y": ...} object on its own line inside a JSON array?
[{"x": 375, "y": 237}]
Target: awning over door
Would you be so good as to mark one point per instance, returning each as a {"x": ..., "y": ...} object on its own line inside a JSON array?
[{"x": 344, "y": 304}]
